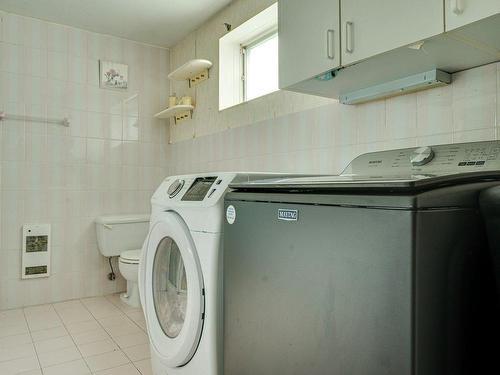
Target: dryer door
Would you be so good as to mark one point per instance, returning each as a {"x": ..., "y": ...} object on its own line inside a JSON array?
[{"x": 173, "y": 290}]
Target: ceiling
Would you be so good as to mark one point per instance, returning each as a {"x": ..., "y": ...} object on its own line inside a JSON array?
[{"x": 158, "y": 22}]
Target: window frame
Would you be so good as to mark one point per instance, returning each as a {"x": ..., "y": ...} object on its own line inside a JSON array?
[
  {"x": 245, "y": 47},
  {"x": 231, "y": 59}
]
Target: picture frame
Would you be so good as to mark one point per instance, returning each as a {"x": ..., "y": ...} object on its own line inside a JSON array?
[{"x": 113, "y": 75}]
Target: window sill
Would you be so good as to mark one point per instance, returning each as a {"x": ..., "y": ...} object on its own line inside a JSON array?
[{"x": 268, "y": 95}]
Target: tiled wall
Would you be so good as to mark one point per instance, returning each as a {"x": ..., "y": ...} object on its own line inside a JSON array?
[
  {"x": 325, "y": 139},
  {"x": 286, "y": 131},
  {"x": 113, "y": 155},
  {"x": 204, "y": 44},
  {"x": 109, "y": 160}
]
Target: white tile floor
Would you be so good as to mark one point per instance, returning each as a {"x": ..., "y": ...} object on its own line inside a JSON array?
[{"x": 99, "y": 335}]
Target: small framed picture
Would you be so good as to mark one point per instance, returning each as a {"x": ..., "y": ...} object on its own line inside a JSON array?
[{"x": 113, "y": 75}]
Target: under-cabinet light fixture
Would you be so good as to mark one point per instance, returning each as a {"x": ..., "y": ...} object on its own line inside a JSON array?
[{"x": 400, "y": 86}]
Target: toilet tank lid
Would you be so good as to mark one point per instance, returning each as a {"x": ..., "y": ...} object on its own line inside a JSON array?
[{"x": 123, "y": 219}]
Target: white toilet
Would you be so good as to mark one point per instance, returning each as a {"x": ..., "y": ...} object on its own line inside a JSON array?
[{"x": 123, "y": 236}]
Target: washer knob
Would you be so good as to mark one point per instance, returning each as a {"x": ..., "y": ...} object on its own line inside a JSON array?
[
  {"x": 175, "y": 187},
  {"x": 421, "y": 156}
]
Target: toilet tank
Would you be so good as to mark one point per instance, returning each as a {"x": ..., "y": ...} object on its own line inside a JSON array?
[{"x": 119, "y": 233}]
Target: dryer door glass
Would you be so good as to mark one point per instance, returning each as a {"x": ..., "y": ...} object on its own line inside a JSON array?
[{"x": 169, "y": 287}]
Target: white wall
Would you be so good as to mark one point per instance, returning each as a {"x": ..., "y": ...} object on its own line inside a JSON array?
[{"x": 109, "y": 160}]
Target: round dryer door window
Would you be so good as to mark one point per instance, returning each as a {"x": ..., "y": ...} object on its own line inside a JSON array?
[
  {"x": 169, "y": 287},
  {"x": 174, "y": 299}
]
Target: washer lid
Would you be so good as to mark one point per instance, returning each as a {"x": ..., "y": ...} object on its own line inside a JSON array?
[
  {"x": 131, "y": 255},
  {"x": 173, "y": 290}
]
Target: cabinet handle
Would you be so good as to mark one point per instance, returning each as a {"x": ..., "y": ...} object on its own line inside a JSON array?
[
  {"x": 330, "y": 44},
  {"x": 457, "y": 6},
  {"x": 349, "y": 42}
]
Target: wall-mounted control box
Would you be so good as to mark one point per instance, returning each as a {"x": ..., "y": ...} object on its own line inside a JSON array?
[{"x": 36, "y": 251}]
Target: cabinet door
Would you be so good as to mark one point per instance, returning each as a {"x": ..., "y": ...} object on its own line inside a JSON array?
[
  {"x": 309, "y": 39},
  {"x": 372, "y": 27},
  {"x": 462, "y": 12}
]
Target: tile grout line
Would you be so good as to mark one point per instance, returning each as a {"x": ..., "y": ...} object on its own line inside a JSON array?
[
  {"x": 124, "y": 313},
  {"x": 71, "y": 337},
  {"x": 32, "y": 341},
  {"x": 112, "y": 339}
]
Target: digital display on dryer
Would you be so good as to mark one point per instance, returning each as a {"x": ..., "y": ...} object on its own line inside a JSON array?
[{"x": 199, "y": 189}]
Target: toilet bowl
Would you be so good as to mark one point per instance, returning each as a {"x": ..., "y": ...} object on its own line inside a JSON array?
[
  {"x": 129, "y": 268},
  {"x": 122, "y": 236}
]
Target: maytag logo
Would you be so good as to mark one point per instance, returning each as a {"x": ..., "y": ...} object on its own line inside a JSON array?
[{"x": 288, "y": 215}]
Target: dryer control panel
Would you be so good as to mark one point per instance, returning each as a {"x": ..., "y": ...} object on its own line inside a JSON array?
[{"x": 200, "y": 188}]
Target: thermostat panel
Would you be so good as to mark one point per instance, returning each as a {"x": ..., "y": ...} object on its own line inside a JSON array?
[{"x": 36, "y": 251}]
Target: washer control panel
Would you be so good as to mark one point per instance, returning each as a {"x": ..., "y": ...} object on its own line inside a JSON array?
[
  {"x": 429, "y": 160},
  {"x": 422, "y": 156}
]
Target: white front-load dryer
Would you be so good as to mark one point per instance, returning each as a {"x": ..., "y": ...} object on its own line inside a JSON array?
[
  {"x": 174, "y": 297},
  {"x": 180, "y": 272}
]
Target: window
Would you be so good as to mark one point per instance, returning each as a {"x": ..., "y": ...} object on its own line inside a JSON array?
[
  {"x": 260, "y": 67},
  {"x": 248, "y": 59}
]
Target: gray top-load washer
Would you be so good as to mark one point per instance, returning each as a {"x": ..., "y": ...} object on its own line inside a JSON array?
[{"x": 381, "y": 270}]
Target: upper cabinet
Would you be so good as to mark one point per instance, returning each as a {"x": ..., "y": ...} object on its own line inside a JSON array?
[
  {"x": 373, "y": 27},
  {"x": 376, "y": 43},
  {"x": 309, "y": 39},
  {"x": 462, "y": 12}
]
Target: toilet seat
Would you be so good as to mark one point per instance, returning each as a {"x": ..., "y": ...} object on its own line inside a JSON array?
[{"x": 130, "y": 256}]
